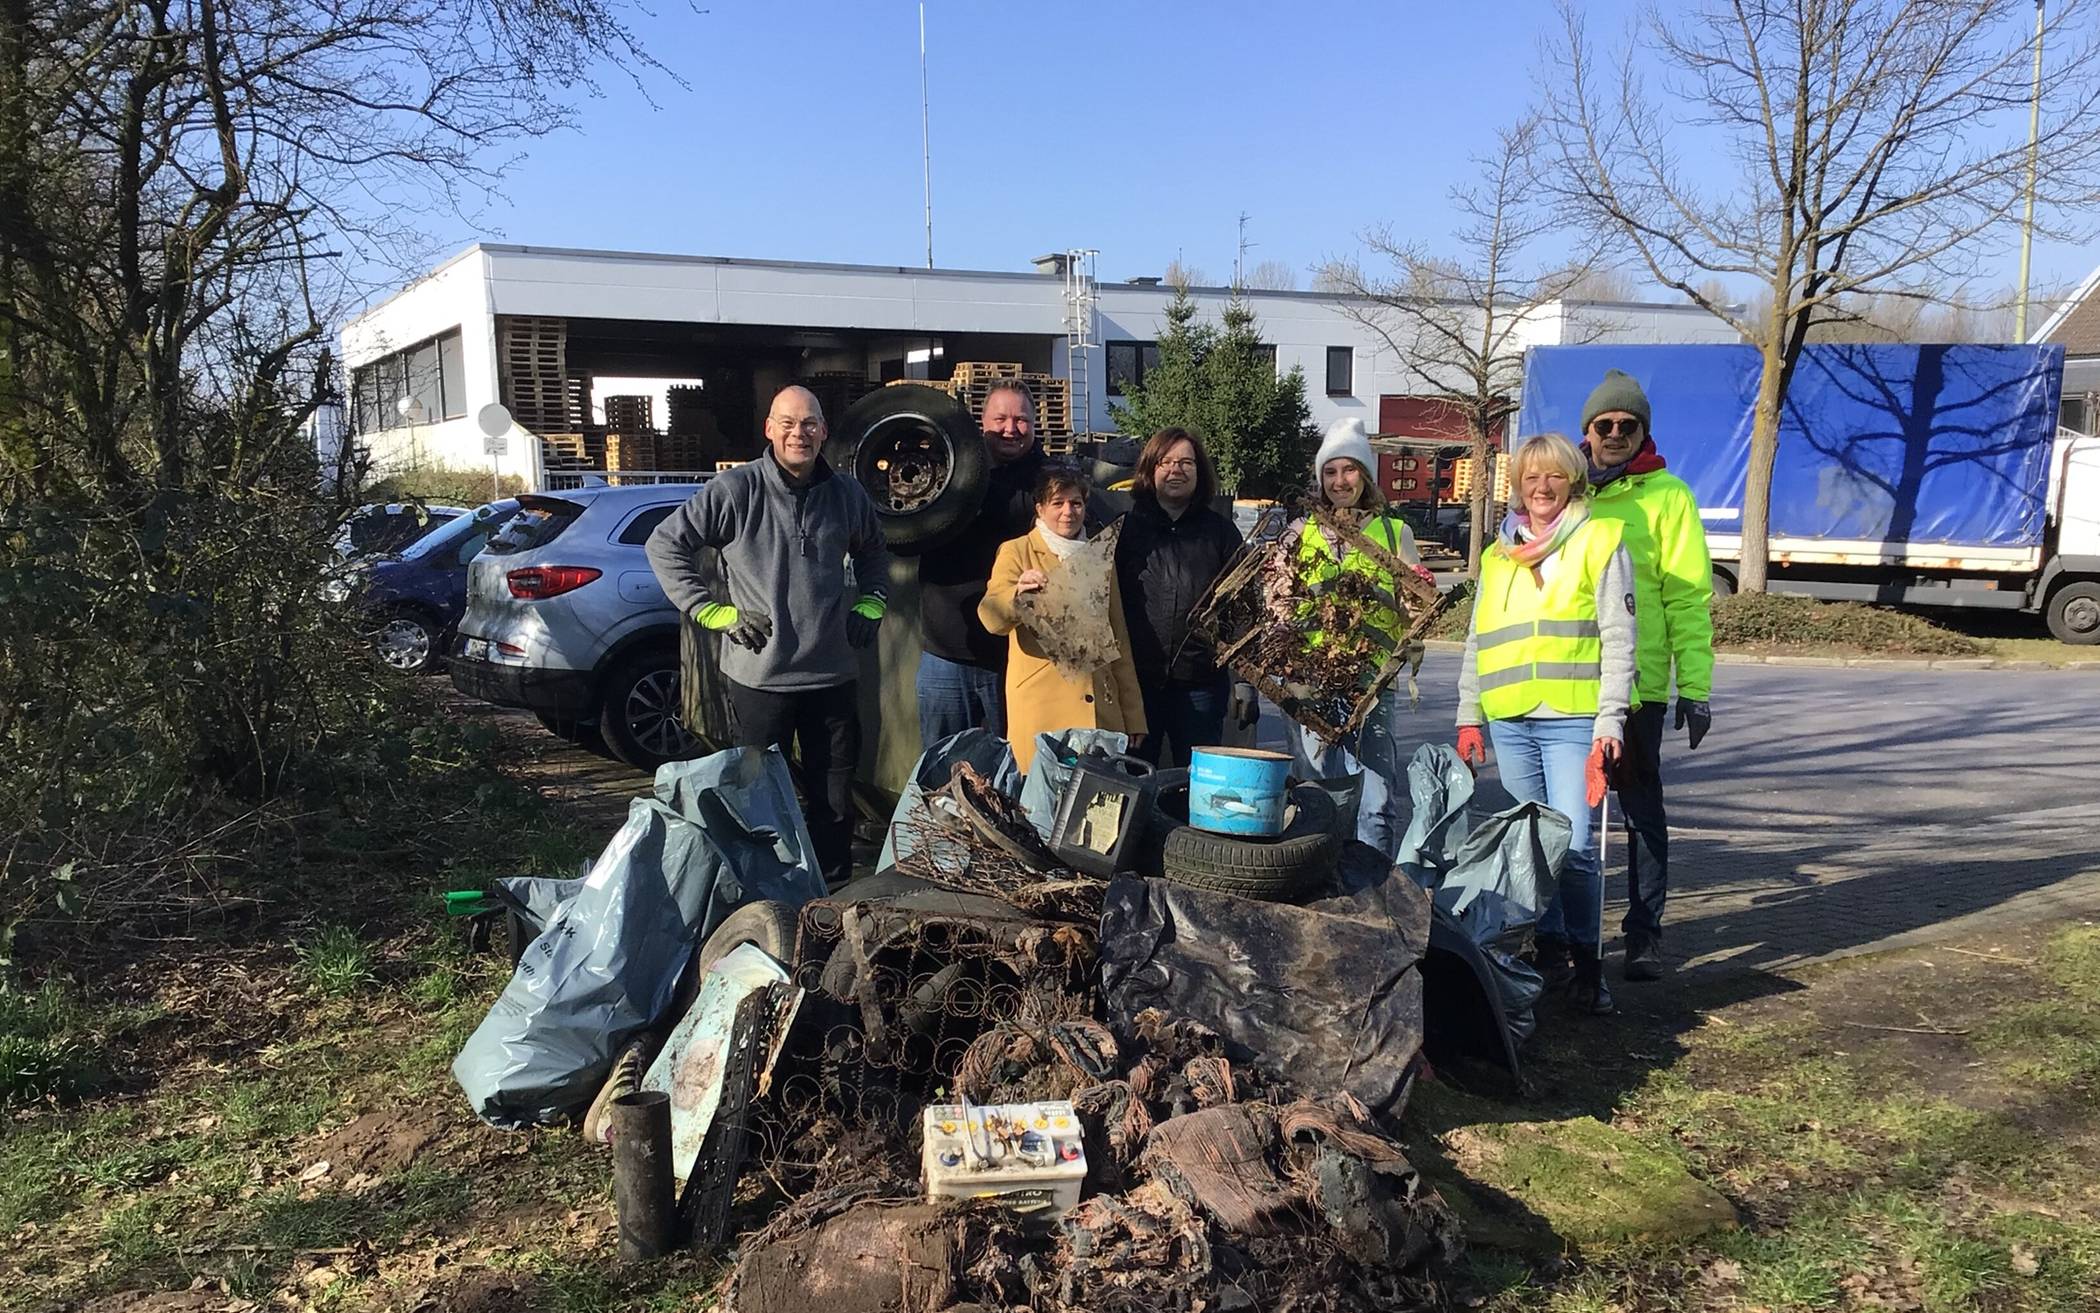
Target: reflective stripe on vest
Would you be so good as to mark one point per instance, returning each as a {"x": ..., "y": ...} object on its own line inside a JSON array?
[{"x": 1541, "y": 647}]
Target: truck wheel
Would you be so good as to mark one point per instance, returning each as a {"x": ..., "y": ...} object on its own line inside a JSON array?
[
  {"x": 1724, "y": 583},
  {"x": 920, "y": 456},
  {"x": 1284, "y": 869},
  {"x": 639, "y": 711},
  {"x": 2074, "y": 614}
]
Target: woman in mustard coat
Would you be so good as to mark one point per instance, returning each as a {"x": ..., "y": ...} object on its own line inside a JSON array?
[{"x": 1041, "y": 698}]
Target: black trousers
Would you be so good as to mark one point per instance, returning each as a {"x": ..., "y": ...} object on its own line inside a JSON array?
[
  {"x": 819, "y": 729},
  {"x": 1647, "y": 825}
]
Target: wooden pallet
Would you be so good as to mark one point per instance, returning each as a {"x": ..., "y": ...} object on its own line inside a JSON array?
[
  {"x": 630, "y": 414},
  {"x": 631, "y": 451},
  {"x": 532, "y": 356},
  {"x": 984, "y": 371}
]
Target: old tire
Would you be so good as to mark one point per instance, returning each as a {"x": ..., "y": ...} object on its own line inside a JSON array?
[
  {"x": 1167, "y": 802},
  {"x": 1283, "y": 869},
  {"x": 639, "y": 710},
  {"x": 2074, "y": 614},
  {"x": 768, "y": 924},
  {"x": 921, "y": 458}
]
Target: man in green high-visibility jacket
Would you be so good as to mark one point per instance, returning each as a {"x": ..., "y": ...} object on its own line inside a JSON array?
[{"x": 1673, "y": 589}]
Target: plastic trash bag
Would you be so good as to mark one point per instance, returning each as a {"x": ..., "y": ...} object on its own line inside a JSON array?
[
  {"x": 1500, "y": 881},
  {"x": 1052, "y": 769},
  {"x": 991, "y": 755},
  {"x": 1439, "y": 786},
  {"x": 1326, "y": 995},
  {"x": 719, "y": 832}
]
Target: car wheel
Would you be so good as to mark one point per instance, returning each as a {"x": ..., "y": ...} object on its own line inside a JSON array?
[
  {"x": 406, "y": 642},
  {"x": 2074, "y": 614},
  {"x": 769, "y": 924},
  {"x": 1283, "y": 869},
  {"x": 921, "y": 458},
  {"x": 639, "y": 712}
]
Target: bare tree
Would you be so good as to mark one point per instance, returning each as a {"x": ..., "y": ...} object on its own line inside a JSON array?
[
  {"x": 1272, "y": 276},
  {"x": 1874, "y": 144},
  {"x": 1183, "y": 275},
  {"x": 1459, "y": 321}
]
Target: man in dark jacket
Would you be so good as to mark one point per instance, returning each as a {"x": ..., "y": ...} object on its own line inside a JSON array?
[
  {"x": 1173, "y": 547},
  {"x": 962, "y": 670},
  {"x": 785, "y": 526}
]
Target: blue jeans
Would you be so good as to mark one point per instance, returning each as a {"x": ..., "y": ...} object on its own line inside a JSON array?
[
  {"x": 1381, "y": 809},
  {"x": 954, "y": 697},
  {"x": 1544, "y": 759},
  {"x": 1192, "y": 715}
]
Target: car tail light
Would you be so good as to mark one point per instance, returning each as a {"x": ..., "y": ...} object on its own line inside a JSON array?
[{"x": 537, "y": 582}]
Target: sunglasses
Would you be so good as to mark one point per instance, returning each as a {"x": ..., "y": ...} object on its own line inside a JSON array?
[{"x": 1616, "y": 428}]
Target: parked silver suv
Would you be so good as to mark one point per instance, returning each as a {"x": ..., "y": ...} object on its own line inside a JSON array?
[{"x": 564, "y": 617}]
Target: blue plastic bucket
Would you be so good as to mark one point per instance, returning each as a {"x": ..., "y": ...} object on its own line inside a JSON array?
[{"x": 1238, "y": 790}]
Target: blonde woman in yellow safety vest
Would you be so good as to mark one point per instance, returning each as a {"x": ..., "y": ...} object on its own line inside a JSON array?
[
  {"x": 1549, "y": 667},
  {"x": 1344, "y": 476}
]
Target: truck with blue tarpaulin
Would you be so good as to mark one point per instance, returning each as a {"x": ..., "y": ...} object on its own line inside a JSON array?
[{"x": 1919, "y": 475}]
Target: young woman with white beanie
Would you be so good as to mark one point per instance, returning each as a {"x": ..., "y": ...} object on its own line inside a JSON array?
[{"x": 1344, "y": 477}]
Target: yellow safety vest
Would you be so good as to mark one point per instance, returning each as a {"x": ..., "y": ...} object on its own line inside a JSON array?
[
  {"x": 1539, "y": 647},
  {"x": 1317, "y": 565}
]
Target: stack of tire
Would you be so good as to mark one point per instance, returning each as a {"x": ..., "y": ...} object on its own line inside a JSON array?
[{"x": 1295, "y": 865}]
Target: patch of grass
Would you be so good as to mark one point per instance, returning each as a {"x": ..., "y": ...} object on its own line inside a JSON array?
[
  {"x": 1798, "y": 1266},
  {"x": 45, "y": 1045},
  {"x": 1761, "y": 620},
  {"x": 335, "y": 962},
  {"x": 416, "y": 1199},
  {"x": 140, "y": 1234},
  {"x": 271, "y": 1108}
]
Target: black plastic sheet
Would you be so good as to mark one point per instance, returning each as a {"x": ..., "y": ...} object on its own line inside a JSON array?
[{"x": 1326, "y": 995}]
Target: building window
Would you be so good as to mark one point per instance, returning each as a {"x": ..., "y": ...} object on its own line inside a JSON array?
[
  {"x": 2073, "y": 413},
  {"x": 431, "y": 373},
  {"x": 1341, "y": 371},
  {"x": 1129, "y": 362},
  {"x": 1266, "y": 351}
]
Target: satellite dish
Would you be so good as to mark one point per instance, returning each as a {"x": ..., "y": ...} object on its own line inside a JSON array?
[{"x": 493, "y": 419}]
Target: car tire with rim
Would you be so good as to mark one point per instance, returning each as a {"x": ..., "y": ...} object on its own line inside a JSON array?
[
  {"x": 407, "y": 641},
  {"x": 1284, "y": 869},
  {"x": 639, "y": 711},
  {"x": 921, "y": 458},
  {"x": 2074, "y": 613}
]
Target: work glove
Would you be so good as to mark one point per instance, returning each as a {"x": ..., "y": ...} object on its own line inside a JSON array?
[
  {"x": 1472, "y": 746},
  {"x": 1246, "y": 706},
  {"x": 1697, "y": 713},
  {"x": 1604, "y": 759},
  {"x": 745, "y": 626},
  {"x": 864, "y": 619}
]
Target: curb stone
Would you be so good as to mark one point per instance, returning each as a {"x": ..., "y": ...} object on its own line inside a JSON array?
[{"x": 1854, "y": 663}]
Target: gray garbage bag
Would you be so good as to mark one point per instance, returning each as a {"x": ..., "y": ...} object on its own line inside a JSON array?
[
  {"x": 987, "y": 752},
  {"x": 1439, "y": 786},
  {"x": 1500, "y": 880},
  {"x": 1326, "y": 995},
  {"x": 536, "y": 898},
  {"x": 1054, "y": 756},
  {"x": 720, "y": 832}
]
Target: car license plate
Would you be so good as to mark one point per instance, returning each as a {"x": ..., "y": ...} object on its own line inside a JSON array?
[{"x": 475, "y": 649}]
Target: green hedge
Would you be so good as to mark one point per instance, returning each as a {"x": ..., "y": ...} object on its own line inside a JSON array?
[{"x": 1766, "y": 620}]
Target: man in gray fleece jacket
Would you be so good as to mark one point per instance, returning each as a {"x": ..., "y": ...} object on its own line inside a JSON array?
[{"x": 785, "y": 525}]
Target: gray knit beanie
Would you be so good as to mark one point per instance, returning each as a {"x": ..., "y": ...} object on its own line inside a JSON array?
[{"x": 1618, "y": 391}]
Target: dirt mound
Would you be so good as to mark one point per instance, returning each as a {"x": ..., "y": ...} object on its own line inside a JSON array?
[
  {"x": 378, "y": 1143},
  {"x": 480, "y": 1291}
]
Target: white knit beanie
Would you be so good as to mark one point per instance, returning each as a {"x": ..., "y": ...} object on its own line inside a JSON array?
[{"x": 1345, "y": 437}]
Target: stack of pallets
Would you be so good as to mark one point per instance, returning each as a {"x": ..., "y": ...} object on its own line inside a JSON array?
[
  {"x": 565, "y": 453},
  {"x": 836, "y": 389},
  {"x": 972, "y": 385},
  {"x": 688, "y": 409},
  {"x": 632, "y": 451},
  {"x": 635, "y": 414},
  {"x": 532, "y": 352}
]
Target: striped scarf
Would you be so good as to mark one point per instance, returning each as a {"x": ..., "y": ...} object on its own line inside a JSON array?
[{"x": 1543, "y": 542}]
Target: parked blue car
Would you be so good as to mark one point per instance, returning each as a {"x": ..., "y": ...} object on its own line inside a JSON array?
[{"x": 411, "y": 601}]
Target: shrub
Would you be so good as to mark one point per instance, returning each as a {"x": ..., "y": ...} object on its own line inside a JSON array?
[{"x": 440, "y": 485}]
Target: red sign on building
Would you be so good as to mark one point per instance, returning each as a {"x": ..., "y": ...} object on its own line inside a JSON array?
[{"x": 1411, "y": 433}]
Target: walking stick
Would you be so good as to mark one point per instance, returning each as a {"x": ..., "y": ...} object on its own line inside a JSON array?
[{"x": 1603, "y": 879}]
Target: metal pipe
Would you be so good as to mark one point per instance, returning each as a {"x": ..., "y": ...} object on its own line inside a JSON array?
[
  {"x": 2034, "y": 155},
  {"x": 641, "y": 1128}
]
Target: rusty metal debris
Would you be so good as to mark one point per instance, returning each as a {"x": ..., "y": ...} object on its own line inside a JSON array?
[
  {"x": 1069, "y": 618},
  {"x": 972, "y": 838},
  {"x": 1259, "y": 611}
]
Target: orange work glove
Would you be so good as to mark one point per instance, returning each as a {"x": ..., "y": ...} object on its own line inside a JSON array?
[
  {"x": 1604, "y": 759},
  {"x": 1472, "y": 748}
]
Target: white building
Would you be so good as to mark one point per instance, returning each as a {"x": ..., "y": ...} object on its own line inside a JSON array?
[{"x": 546, "y": 331}]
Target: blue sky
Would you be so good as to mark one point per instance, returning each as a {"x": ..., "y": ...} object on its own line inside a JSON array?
[{"x": 1143, "y": 129}]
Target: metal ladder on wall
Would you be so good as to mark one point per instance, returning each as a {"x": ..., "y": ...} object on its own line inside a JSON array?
[{"x": 1082, "y": 335}]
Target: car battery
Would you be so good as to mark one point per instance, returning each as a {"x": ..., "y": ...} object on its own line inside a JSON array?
[{"x": 1028, "y": 1156}]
